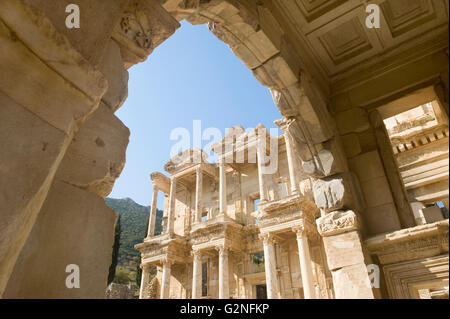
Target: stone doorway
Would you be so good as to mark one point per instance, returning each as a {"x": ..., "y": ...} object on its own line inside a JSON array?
[
  {"x": 261, "y": 291},
  {"x": 415, "y": 128}
]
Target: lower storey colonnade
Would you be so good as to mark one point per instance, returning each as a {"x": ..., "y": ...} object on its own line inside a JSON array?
[{"x": 215, "y": 270}]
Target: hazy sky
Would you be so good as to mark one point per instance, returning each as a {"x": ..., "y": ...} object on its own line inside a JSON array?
[{"x": 191, "y": 76}]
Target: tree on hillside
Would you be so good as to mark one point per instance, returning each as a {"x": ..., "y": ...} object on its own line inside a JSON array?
[{"x": 115, "y": 252}]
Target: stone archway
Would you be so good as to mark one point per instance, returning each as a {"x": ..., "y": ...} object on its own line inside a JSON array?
[
  {"x": 91, "y": 157},
  {"x": 62, "y": 147}
]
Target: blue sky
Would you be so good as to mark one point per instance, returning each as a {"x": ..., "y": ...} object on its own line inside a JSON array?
[{"x": 191, "y": 76}]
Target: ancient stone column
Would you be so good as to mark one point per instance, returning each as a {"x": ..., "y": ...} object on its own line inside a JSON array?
[
  {"x": 260, "y": 159},
  {"x": 196, "y": 275},
  {"x": 293, "y": 172},
  {"x": 222, "y": 187},
  {"x": 152, "y": 218},
  {"x": 345, "y": 256},
  {"x": 305, "y": 262},
  {"x": 270, "y": 267},
  {"x": 165, "y": 285},
  {"x": 144, "y": 281},
  {"x": 224, "y": 290},
  {"x": 171, "y": 218},
  {"x": 198, "y": 194}
]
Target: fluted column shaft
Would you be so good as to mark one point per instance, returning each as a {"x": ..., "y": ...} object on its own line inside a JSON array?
[
  {"x": 152, "y": 217},
  {"x": 270, "y": 267},
  {"x": 260, "y": 159},
  {"x": 224, "y": 290},
  {"x": 196, "y": 275},
  {"x": 144, "y": 281},
  {"x": 293, "y": 172},
  {"x": 171, "y": 217},
  {"x": 198, "y": 194},
  {"x": 222, "y": 187},
  {"x": 305, "y": 263},
  {"x": 166, "y": 274}
]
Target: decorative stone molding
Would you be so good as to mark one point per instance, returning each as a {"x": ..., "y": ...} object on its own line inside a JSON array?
[
  {"x": 337, "y": 222},
  {"x": 223, "y": 249},
  {"x": 196, "y": 254},
  {"x": 267, "y": 238},
  {"x": 161, "y": 181},
  {"x": 152, "y": 289},
  {"x": 406, "y": 280},
  {"x": 306, "y": 228},
  {"x": 144, "y": 26},
  {"x": 338, "y": 192},
  {"x": 411, "y": 243}
]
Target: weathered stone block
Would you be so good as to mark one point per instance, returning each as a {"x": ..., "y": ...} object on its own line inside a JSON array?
[
  {"x": 367, "y": 141},
  {"x": 377, "y": 191},
  {"x": 98, "y": 19},
  {"x": 96, "y": 155},
  {"x": 352, "y": 121},
  {"x": 340, "y": 103},
  {"x": 352, "y": 282},
  {"x": 343, "y": 250},
  {"x": 113, "y": 69},
  {"x": 270, "y": 26},
  {"x": 367, "y": 166},
  {"x": 333, "y": 193},
  {"x": 381, "y": 219},
  {"x": 329, "y": 159},
  {"x": 30, "y": 152},
  {"x": 351, "y": 145},
  {"x": 42, "y": 90},
  {"x": 66, "y": 232}
]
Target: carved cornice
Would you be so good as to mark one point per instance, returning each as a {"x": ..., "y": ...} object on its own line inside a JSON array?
[
  {"x": 161, "y": 181},
  {"x": 337, "y": 222},
  {"x": 411, "y": 243}
]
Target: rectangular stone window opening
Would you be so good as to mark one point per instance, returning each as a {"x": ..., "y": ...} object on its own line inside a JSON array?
[
  {"x": 257, "y": 262},
  {"x": 254, "y": 201},
  {"x": 204, "y": 279}
]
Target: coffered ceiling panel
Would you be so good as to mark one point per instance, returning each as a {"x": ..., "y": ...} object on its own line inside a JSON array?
[
  {"x": 336, "y": 34},
  {"x": 311, "y": 9}
]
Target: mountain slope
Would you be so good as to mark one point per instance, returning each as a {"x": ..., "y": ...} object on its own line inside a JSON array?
[{"x": 133, "y": 222}]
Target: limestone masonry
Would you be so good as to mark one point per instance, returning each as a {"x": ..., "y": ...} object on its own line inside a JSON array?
[{"x": 356, "y": 205}]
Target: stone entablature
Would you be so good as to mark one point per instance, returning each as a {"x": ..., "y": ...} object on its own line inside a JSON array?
[
  {"x": 415, "y": 261},
  {"x": 412, "y": 243}
]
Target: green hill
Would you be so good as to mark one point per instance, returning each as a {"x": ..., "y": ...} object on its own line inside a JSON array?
[{"x": 133, "y": 222}]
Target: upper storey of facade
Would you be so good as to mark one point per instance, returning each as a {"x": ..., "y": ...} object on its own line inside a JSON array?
[{"x": 252, "y": 171}]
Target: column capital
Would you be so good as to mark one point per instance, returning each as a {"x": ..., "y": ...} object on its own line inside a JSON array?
[
  {"x": 305, "y": 228},
  {"x": 155, "y": 188},
  {"x": 167, "y": 261},
  {"x": 223, "y": 249},
  {"x": 196, "y": 254},
  {"x": 267, "y": 238},
  {"x": 144, "y": 266}
]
